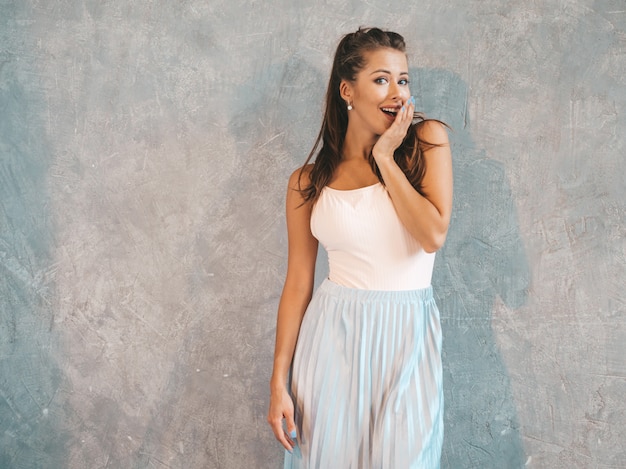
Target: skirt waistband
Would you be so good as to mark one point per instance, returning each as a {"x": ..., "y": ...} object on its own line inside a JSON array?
[{"x": 333, "y": 289}]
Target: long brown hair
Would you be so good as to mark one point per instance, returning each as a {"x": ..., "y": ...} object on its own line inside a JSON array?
[{"x": 349, "y": 60}]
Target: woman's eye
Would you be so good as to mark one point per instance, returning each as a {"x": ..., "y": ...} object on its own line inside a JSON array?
[
  {"x": 404, "y": 81},
  {"x": 381, "y": 80}
]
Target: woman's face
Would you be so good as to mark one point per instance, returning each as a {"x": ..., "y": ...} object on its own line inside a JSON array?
[{"x": 379, "y": 90}]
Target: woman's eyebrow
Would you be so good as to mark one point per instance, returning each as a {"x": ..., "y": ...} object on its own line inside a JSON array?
[{"x": 382, "y": 70}]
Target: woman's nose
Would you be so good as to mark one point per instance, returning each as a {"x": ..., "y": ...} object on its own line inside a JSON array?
[{"x": 398, "y": 92}]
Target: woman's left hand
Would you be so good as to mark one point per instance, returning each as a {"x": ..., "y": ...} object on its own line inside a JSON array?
[{"x": 394, "y": 135}]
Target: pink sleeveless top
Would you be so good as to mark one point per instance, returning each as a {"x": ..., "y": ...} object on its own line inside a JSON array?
[{"x": 368, "y": 246}]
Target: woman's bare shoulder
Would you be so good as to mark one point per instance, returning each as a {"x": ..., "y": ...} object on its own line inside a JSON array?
[
  {"x": 432, "y": 131},
  {"x": 301, "y": 177}
]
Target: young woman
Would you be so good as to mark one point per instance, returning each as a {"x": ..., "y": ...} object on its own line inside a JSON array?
[{"x": 357, "y": 366}]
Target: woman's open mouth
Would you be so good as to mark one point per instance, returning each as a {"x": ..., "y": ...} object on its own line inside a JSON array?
[{"x": 390, "y": 112}]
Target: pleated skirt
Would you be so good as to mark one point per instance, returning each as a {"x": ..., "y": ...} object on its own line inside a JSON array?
[{"x": 366, "y": 381}]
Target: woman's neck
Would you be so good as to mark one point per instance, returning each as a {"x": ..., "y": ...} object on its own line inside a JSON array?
[{"x": 357, "y": 145}]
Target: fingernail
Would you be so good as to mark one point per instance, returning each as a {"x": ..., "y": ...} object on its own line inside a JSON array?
[
  {"x": 412, "y": 100},
  {"x": 403, "y": 108},
  {"x": 293, "y": 434}
]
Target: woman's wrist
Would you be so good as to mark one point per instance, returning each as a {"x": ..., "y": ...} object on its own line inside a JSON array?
[
  {"x": 382, "y": 156},
  {"x": 385, "y": 163},
  {"x": 278, "y": 383}
]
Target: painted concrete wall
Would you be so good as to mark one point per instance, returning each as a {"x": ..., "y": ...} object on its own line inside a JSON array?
[{"x": 144, "y": 152}]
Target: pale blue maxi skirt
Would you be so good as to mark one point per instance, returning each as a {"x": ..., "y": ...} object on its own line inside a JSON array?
[{"x": 367, "y": 381}]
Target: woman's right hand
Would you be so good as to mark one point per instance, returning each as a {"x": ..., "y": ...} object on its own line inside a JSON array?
[{"x": 281, "y": 407}]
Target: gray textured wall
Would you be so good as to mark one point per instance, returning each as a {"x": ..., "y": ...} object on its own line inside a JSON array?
[{"x": 144, "y": 152}]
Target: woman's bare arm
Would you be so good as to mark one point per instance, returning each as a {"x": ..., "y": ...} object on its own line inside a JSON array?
[
  {"x": 427, "y": 216},
  {"x": 297, "y": 291}
]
